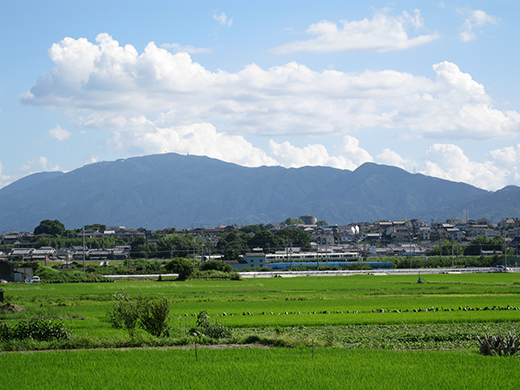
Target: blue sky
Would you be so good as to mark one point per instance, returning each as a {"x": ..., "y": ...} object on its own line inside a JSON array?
[{"x": 429, "y": 86}]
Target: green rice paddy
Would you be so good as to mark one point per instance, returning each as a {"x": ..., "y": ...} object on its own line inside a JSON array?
[{"x": 362, "y": 331}]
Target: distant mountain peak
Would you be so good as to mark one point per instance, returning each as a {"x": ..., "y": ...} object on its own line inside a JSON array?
[{"x": 172, "y": 190}]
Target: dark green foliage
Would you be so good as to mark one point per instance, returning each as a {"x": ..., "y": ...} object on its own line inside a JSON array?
[
  {"x": 233, "y": 241},
  {"x": 215, "y": 265},
  {"x": 97, "y": 226},
  {"x": 292, "y": 221},
  {"x": 482, "y": 243},
  {"x": 295, "y": 237},
  {"x": 266, "y": 240},
  {"x": 206, "y": 328},
  {"x": 179, "y": 245},
  {"x": 447, "y": 248},
  {"x": 131, "y": 313},
  {"x": 231, "y": 254},
  {"x": 38, "y": 329},
  {"x": 214, "y": 275},
  {"x": 73, "y": 240},
  {"x": 51, "y": 275},
  {"x": 54, "y": 228},
  {"x": 154, "y": 315},
  {"x": 181, "y": 266},
  {"x": 253, "y": 228},
  {"x": 139, "y": 248},
  {"x": 499, "y": 345}
]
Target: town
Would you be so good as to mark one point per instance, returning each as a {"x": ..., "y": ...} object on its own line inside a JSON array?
[{"x": 50, "y": 242}]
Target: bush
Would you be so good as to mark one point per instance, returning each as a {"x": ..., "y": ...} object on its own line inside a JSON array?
[
  {"x": 51, "y": 275},
  {"x": 131, "y": 313},
  {"x": 181, "y": 266},
  {"x": 37, "y": 329},
  {"x": 214, "y": 275},
  {"x": 206, "y": 328}
]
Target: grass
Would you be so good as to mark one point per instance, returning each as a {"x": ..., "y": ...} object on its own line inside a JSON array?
[
  {"x": 352, "y": 300},
  {"x": 257, "y": 368},
  {"x": 352, "y": 332}
]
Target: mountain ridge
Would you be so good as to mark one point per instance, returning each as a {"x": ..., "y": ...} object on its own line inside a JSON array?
[{"x": 172, "y": 190}]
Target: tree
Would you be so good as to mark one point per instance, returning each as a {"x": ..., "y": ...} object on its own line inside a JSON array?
[
  {"x": 266, "y": 240},
  {"x": 233, "y": 241},
  {"x": 97, "y": 226},
  {"x": 482, "y": 243},
  {"x": 54, "y": 228},
  {"x": 253, "y": 228},
  {"x": 139, "y": 248},
  {"x": 231, "y": 254},
  {"x": 181, "y": 266},
  {"x": 292, "y": 221},
  {"x": 297, "y": 237}
]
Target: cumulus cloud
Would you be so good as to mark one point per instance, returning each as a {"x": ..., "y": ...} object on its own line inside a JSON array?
[
  {"x": 91, "y": 159},
  {"x": 187, "y": 49},
  {"x": 448, "y": 161},
  {"x": 348, "y": 155},
  {"x": 198, "y": 139},
  {"x": 476, "y": 18},
  {"x": 508, "y": 159},
  {"x": 109, "y": 86},
  {"x": 381, "y": 33},
  {"x": 38, "y": 164},
  {"x": 223, "y": 19},
  {"x": 4, "y": 179},
  {"x": 59, "y": 134},
  {"x": 390, "y": 157}
]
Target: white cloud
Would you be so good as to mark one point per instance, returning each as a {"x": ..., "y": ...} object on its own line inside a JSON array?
[
  {"x": 199, "y": 139},
  {"x": 390, "y": 157},
  {"x": 187, "y": 49},
  {"x": 59, "y": 134},
  {"x": 508, "y": 160},
  {"x": 106, "y": 85},
  {"x": 91, "y": 159},
  {"x": 38, "y": 164},
  {"x": 476, "y": 18},
  {"x": 223, "y": 19},
  {"x": 382, "y": 33},
  {"x": 4, "y": 179},
  {"x": 348, "y": 155},
  {"x": 449, "y": 162}
]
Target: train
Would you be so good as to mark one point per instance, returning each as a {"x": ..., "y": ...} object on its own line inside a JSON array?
[{"x": 340, "y": 264}]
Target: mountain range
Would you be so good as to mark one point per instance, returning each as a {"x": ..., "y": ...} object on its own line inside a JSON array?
[{"x": 172, "y": 190}]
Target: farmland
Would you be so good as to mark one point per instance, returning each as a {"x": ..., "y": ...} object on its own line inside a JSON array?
[{"x": 365, "y": 324}]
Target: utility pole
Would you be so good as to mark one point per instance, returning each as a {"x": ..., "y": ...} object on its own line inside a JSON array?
[
  {"x": 452, "y": 256},
  {"x": 83, "y": 248}
]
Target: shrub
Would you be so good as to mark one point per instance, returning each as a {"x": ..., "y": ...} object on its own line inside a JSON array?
[
  {"x": 130, "y": 313},
  {"x": 215, "y": 265},
  {"x": 38, "y": 329},
  {"x": 183, "y": 267},
  {"x": 212, "y": 275},
  {"x": 154, "y": 315},
  {"x": 499, "y": 345},
  {"x": 206, "y": 328}
]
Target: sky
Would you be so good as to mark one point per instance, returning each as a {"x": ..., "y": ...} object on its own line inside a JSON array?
[{"x": 427, "y": 86}]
